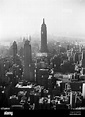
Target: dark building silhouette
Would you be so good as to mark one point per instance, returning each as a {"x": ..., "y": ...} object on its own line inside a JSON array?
[
  {"x": 42, "y": 77},
  {"x": 83, "y": 62},
  {"x": 14, "y": 51},
  {"x": 77, "y": 57},
  {"x": 43, "y": 37},
  {"x": 28, "y": 67},
  {"x": 83, "y": 59}
]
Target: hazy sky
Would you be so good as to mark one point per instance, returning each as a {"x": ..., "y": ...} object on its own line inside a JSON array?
[{"x": 21, "y": 17}]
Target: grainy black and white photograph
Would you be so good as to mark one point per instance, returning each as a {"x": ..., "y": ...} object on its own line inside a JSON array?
[{"x": 42, "y": 57}]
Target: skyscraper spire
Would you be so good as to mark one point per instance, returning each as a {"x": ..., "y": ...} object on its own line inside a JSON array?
[
  {"x": 43, "y": 37},
  {"x": 43, "y": 21}
]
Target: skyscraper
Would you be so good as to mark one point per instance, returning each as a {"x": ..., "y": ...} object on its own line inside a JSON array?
[
  {"x": 14, "y": 52},
  {"x": 44, "y": 37},
  {"x": 83, "y": 62},
  {"x": 27, "y": 53},
  {"x": 28, "y": 69}
]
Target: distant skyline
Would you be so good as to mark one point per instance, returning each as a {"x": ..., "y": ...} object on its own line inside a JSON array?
[{"x": 19, "y": 18}]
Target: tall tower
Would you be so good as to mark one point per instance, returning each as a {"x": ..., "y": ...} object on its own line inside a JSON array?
[
  {"x": 83, "y": 62},
  {"x": 14, "y": 52},
  {"x": 28, "y": 71},
  {"x": 43, "y": 37}
]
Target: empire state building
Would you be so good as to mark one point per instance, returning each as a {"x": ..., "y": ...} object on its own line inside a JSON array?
[{"x": 44, "y": 38}]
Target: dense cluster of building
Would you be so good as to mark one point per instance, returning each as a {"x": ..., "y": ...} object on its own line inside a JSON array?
[{"x": 48, "y": 81}]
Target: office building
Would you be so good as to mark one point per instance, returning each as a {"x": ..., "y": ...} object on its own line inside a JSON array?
[
  {"x": 44, "y": 38},
  {"x": 14, "y": 52},
  {"x": 28, "y": 67}
]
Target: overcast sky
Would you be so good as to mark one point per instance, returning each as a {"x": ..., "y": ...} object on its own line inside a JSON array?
[{"x": 24, "y": 17}]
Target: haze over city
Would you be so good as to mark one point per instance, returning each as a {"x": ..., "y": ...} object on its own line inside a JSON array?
[
  {"x": 42, "y": 56},
  {"x": 19, "y": 18}
]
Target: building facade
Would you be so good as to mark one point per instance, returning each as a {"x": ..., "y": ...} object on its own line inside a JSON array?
[{"x": 28, "y": 68}]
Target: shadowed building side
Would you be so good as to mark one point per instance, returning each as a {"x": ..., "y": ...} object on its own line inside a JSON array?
[{"x": 28, "y": 69}]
